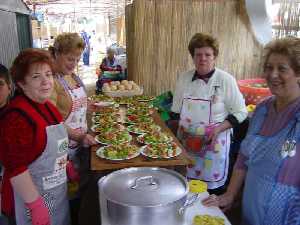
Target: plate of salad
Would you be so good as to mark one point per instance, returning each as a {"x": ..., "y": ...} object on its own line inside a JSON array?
[
  {"x": 113, "y": 138},
  {"x": 118, "y": 152},
  {"x": 131, "y": 119},
  {"x": 104, "y": 118},
  {"x": 161, "y": 150},
  {"x": 142, "y": 128},
  {"x": 154, "y": 137},
  {"x": 107, "y": 127}
]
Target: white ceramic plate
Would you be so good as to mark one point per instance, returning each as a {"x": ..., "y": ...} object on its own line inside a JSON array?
[
  {"x": 93, "y": 128},
  {"x": 100, "y": 153},
  {"x": 104, "y": 104},
  {"x": 139, "y": 139},
  {"x": 108, "y": 142},
  {"x": 168, "y": 156},
  {"x": 117, "y": 120},
  {"x": 130, "y": 128}
]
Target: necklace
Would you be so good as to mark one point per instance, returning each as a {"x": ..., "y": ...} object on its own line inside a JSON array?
[{"x": 289, "y": 146}]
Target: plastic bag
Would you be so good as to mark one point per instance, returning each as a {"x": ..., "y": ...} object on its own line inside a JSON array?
[{"x": 163, "y": 103}]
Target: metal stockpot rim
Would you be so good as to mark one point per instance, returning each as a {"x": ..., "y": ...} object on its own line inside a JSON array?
[{"x": 156, "y": 192}]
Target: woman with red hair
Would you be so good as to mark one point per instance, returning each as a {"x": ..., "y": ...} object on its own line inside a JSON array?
[{"x": 36, "y": 146}]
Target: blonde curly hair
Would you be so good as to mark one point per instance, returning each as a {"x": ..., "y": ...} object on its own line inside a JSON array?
[{"x": 66, "y": 43}]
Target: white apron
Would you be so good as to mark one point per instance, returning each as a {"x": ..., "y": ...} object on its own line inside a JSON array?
[
  {"x": 211, "y": 160},
  {"x": 77, "y": 117},
  {"x": 48, "y": 173},
  {"x": 77, "y": 120}
]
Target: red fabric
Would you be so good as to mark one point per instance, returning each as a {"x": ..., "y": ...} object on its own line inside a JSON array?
[
  {"x": 22, "y": 140},
  {"x": 39, "y": 212},
  {"x": 72, "y": 173}
]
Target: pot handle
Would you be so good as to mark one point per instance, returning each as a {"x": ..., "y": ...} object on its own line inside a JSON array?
[
  {"x": 138, "y": 182},
  {"x": 189, "y": 202}
]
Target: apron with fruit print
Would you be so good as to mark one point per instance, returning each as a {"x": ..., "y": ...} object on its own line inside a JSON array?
[
  {"x": 76, "y": 120},
  {"x": 195, "y": 125}
]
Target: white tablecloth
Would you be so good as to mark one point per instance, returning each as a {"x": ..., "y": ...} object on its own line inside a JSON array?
[{"x": 196, "y": 209}]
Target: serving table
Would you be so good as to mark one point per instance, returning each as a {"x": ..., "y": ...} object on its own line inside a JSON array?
[
  {"x": 102, "y": 166},
  {"x": 99, "y": 164}
]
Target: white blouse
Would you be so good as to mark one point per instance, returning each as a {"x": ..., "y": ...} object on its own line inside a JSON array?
[{"x": 223, "y": 85}]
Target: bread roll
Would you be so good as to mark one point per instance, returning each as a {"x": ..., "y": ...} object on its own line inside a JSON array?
[
  {"x": 124, "y": 82},
  {"x": 128, "y": 87},
  {"x": 117, "y": 83},
  {"x": 113, "y": 87},
  {"x": 121, "y": 87},
  {"x": 135, "y": 87},
  {"x": 131, "y": 82},
  {"x": 106, "y": 88}
]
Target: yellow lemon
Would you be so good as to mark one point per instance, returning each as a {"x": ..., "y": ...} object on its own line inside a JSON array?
[
  {"x": 251, "y": 107},
  {"x": 197, "y": 186}
]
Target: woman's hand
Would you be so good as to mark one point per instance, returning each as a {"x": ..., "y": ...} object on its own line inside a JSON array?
[
  {"x": 214, "y": 134},
  {"x": 39, "y": 212},
  {"x": 224, "y": 202},
  {"x": 88, "y": 140},
  {"x": 217, "y": 130},
  {"x": 91, "y": 107}
]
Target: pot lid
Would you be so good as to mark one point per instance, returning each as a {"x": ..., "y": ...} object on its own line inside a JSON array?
[{"x": 144, "y": 186}]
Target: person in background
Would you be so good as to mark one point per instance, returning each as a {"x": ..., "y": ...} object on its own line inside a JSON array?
[
  {"x": 87, "y": 48},
  {"x": 5, "y": 87},
  {"x": 209, "y": 103},
  {"x": 109, "y": 63},
  {"x": 110, "y": 70},
  {"x": 268, "y": 162},
  {"x": 35, "y": 140},
  {"x": 70, "y": 97}
]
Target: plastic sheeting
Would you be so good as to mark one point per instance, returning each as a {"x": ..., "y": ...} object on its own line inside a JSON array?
[{"x": 260, "y": 20}]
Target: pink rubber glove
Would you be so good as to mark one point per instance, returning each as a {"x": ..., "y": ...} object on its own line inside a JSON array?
[
  {"x": 72, "y": 174},
  {"x": 39, "y": 212}
]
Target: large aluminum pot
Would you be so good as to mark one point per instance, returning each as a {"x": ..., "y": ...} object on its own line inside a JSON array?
[{"x": 144, "y": 196}]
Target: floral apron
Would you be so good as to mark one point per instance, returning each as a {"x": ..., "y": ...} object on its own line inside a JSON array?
[
  {"x": 211, "y": 160},
  {"x": 48, "y": 173},
  {"x": 77, "y": 117},
  {"x": 76, "y": 120},
  {"x": 268, "y": 198}
]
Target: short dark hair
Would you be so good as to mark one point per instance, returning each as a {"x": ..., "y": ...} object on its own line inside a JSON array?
[
  {"x": 25, "y": 59},
  {"x": 5, "y": 74},
  {"x": 200, "y": 40}
]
